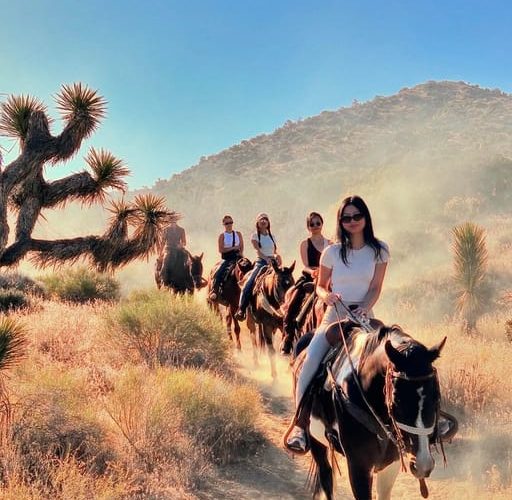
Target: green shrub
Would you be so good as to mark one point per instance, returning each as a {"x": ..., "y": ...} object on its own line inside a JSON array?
[
  {"x": 168, "y": 330},
  {"x": 55, "y": 419},
  {"x": 219, "y": 414},
  {"x": 81, "y": 285},
  {"x": 13, "y": 300},
  {"x": 22, "y": 283},
  {"x": 175, "y": 414},
  {"x": 151, "y": 441}
]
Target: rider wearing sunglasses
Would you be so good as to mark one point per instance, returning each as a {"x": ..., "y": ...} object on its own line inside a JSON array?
[
  {"x": 351, "y": 270},
  {"x": 310, "y": 251},
  {"x": 231, "y": 248}
]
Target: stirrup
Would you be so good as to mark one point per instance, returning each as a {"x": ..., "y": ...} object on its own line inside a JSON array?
[{"x": 240, "y": 315}]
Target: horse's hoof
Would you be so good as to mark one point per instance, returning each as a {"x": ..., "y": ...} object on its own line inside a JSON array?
[{"x": 239, "y": 345}]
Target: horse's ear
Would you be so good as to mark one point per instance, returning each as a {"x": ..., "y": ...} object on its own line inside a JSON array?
[
  {"x": 394, "y": 355},
  {"x": 435, "y": 351},
  {"x": 201, "y": 256},
  {"x": 292, "y": 267},
  {"x": 274, "y": 265}
]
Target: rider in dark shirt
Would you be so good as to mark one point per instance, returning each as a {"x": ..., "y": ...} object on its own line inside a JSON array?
[{"x": 310, "y": 250}]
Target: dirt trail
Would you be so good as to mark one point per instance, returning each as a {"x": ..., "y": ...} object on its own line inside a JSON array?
[{"x": 272, "y": 473}]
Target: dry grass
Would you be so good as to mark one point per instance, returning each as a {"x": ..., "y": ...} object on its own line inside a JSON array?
[
  {"x": 90, "y": 420},
  {"x": 92, "y": 423}
]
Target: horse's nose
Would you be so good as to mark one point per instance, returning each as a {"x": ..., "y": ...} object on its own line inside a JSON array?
[{"x": 422, "y": 467}]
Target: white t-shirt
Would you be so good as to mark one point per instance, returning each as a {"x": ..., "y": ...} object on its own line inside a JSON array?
[
  {"x": 267, "y": 245},
  {"x": 231, "y": 239},
  {"x": 353, "y": 280}
]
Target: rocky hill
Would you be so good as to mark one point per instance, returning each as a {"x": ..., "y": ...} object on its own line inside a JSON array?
[{"x": 419, "y": 152}]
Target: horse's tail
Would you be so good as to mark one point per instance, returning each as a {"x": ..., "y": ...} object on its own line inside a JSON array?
[{"x": 313, "y": 477}]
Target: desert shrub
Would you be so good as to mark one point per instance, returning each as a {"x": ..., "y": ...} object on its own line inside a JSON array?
[
  {"x": 64, "y": 479},
  {"x": 22, "y": 283},
  {"x": 81, "y": 285},
  {"x": 219, "y": 414},
  {"x": 150, "y": 434},
  {"x": 56, "y": 418},
  {"x": 167, "y": 330},
  {"x": 12, "y": 300}
]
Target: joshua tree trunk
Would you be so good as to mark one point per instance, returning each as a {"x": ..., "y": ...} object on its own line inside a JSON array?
[{"x": 134, "y": 229}]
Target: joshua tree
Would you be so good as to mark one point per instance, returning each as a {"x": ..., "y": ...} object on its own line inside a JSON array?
[
  {"x": 470, "y": 262},
  {"x": 134, "y": 228}
]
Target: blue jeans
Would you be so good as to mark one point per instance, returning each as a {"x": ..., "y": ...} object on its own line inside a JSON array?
[
  {"x": 220, "y": 273},
  {"x": 245, "y": 297}
]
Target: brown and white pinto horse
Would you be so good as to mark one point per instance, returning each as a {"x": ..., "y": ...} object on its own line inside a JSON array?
[
  {"x": 264, "y": 311},
  {"x": 229, "y": 295},
  {"x": 379, "y": 407}
]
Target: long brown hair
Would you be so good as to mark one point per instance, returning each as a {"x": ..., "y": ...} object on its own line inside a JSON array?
[{"x": 269, "y": 233}]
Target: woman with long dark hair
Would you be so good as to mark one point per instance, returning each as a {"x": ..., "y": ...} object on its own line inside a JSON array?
[
  {"x": 265, "y": 245},
  {"x": 351, "y": 270}
]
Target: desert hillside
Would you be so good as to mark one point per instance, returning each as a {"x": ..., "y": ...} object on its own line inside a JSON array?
[{"x": 425, "y": 159}]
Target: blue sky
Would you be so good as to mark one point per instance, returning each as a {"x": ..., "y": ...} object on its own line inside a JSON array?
[{"x": 190, "y": 78}]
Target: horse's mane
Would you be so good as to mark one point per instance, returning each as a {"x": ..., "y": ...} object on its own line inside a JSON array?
[
  {"x": 377, "y": 337},
  {"x": 412, "y": 350}
]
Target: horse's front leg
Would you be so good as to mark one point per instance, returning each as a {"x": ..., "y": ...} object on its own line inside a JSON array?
[
  {"x": 251, "y": 326},
  {"x": 267, "y": 332},
  {"x": 228, "y": 318},
  {"x": 386, "y": 479},
  {"x": 360, "y": 480},
  {"x": 236, "y": 326},
  {"x": 323, "y": 478}
]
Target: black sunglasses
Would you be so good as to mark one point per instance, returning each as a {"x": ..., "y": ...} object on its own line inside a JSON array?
[
  {"x": 228, "y": 223},
  {"x": 347, "y": 219},
  {"x": 315, "y": 224}
]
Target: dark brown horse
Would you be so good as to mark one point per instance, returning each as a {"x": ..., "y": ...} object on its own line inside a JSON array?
[
  {"x": 229, "y": 295},
  {"x": 303, "y": 312},
  {"x": 379, "y": 407},
  {"x": 264, "y": 312},
  {"x": 180, "y": 271}
]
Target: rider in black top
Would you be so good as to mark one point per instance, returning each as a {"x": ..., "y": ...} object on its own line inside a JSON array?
[{"x": 310, "y": 251}]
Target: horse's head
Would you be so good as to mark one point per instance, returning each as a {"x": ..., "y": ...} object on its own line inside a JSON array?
[
  {"x": 283, "y": 280},
  {"x": 196, "y": 271},
  {"x": 413, "y": 398}
]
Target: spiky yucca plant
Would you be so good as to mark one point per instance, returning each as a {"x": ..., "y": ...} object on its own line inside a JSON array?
[
  {"x": 470, "y": 267},
  {"x": 134, "y": 229},
  {"x": 12, "y": 350}
]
